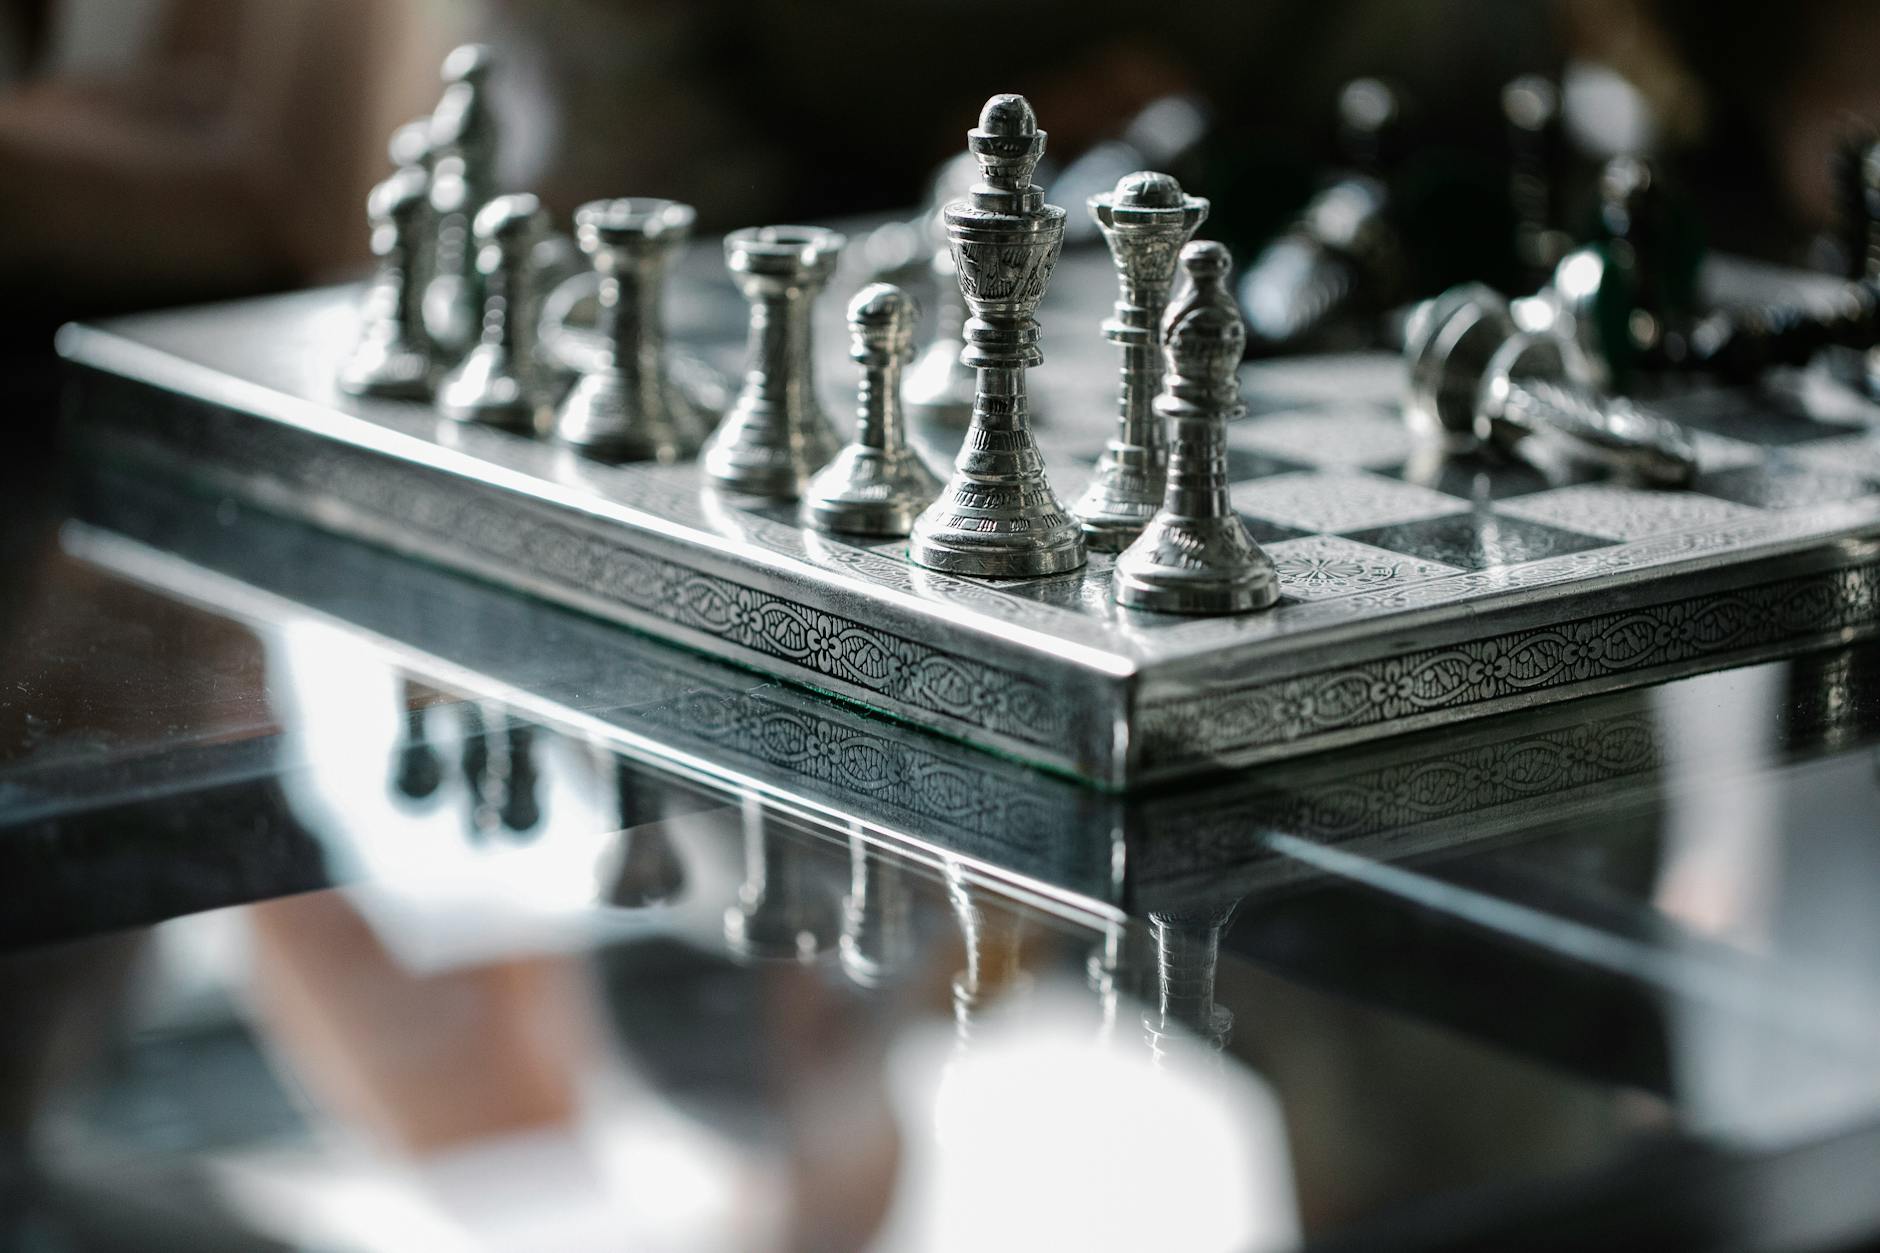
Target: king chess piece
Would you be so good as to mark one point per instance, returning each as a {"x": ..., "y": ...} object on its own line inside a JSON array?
[
  {"x": 877, "y": 485},
  {"x": 393, "y": 357},
  {"x": 776, "y": 435},
  {"x": 1145, "y": 221},
  {"x": 625, "y": 406},
  {"x": 998, "y": 517},
  {"x": 463, "y": 179},
  {"x": 497, "y": 384},
  {"x": 1195, "y": 556}
]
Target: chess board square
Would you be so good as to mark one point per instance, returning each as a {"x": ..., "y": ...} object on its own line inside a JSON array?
[
  {"x": 1769, "y": 417},
  {"x": 1857, "y": 454},
  {"x": 1319, "y": 567},
  {"x": 1245, "y": 464},
  {"x": 1265, "y": 532},
  {"x": 1615, "y": 511},
  {"x": 1339, "y": 500},
  {"x": 1471, "y": 476},
  {"x": 1477, "y": 540},
  {"x": 1785, "y": 483},
  {"x": 1087, "y": 589},
  {"x": 1358, "y": 436}
]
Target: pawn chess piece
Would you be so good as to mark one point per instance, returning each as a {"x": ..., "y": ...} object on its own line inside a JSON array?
[
  {"x": 1195, "y": 556},
  {"x": 877, "y": 485},
  {"x": 625, "y": 406},
  {"x": 463, "y": 179},
  {"x": 1187, "y": 956},
  {"x": 1145, "y": 221},
  {"x": 776, "y": 435},
  {"x": 497, "y": 384},
  {"x": 998, "y": 517},
  {"x": 393, "y": 357},
  {"x": 784, "y": 912}
]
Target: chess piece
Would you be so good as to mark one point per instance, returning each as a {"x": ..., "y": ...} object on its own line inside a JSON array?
[
  {"x": 1476, "y": 381},
  {"x": 1195, "y": 556},
  {"x": 1187, "y": 955},
  {"x": 776, "y": 434},
  {"x": 519, "y": 804},
  {"x": 877, "y": 485},
  {"x": 1145, "y": 221},
  {"x": 462, "y": 141},
  {"x": 940, "y": 386},
  {"x": 393, "y": 357},
  {"x": 625, "y": 407},
  {"x": 877, "y": 917},
  {"x": 992, "y": 935},
  {"x": 649, "y": 870},
  {"x": 497, "y": 384},
  {"x": 1531, "y": 106},
  {"x": 420, "y": 770},
  {"x": 783, "y": 913},
  {"x": 998, "y": 517}
]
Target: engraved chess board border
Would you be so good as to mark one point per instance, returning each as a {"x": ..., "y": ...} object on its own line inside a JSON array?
[{"x": 237, "y": 399}]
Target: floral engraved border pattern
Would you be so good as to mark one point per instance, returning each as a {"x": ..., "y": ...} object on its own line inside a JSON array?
[{"x": 1709, "y": 628}]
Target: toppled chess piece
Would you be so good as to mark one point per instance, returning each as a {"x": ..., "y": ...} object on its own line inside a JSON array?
[
  {"x": 1195, "y": 556},
  {"x": 497, "y": 385},
  {"x": 998, "y": 517},
  {"x": 625, "y": 407},
  {"x": 879, "y": 484},
  {"x": 776, "y": 435},
  {"x": 462, "y": 143},
  {"x": 1145, "y": 221},
  {"x": 393, "y": 357},
  {"x": 1476, "y": 381}
]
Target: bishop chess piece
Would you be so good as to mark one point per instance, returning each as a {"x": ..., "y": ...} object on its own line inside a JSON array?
[
  {"x": 998, "y": 517},
  {"x": 393, "y": 357},
  {"x": 497, "y": 384},
  {"x": 1476, "y": 381},
  {"x": 1195, "y": 556},
  {"x": 463, "y": 179},
  {"x": 877, "y": 485},
  {"x": 625, "y": 406},
  {"x": 776, "y": 435},
  {"x": 1145, "y": 221}
]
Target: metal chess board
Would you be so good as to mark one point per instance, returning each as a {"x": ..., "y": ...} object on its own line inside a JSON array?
[{"x": 1417, "y": 592}]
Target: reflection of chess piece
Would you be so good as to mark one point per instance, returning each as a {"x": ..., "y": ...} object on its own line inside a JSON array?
[
  {"x": 1195, "y": 556},
  {"x": 463, "y": 173},
  {"x": 1531, "y": 106},
  {"x": 1145, "y": 221},
  {"x": 649, "y": 870},
  {"x": 497, "y": 384},
  {"x": 1105, "y": 971},
  {"x": 1187, "y": 952},
  {"x": 625, "y": 407},
  {"x": 998, "y": 517},
  {"x": 877, "y": 917},
  {"x": 994, "y": 970},
  {"x": 393, "y": 357},
  {"x": 420, "y": 770},
  {"x": 878, "y": 484},
  {"x": 784, "y": 912},
  {"x": 520, "y": 806},
  {"x": 776, "y": 434}
]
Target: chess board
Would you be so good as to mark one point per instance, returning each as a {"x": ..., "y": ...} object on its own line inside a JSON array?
[{"x": 1418, "y": 591}]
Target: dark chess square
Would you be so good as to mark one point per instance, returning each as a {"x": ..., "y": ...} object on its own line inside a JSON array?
[{"x": 1477, "y": 540}]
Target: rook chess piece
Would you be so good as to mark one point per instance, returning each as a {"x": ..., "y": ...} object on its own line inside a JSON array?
[
  {"x": 393, "y": 357},
  {"x": 1195, "y": 556},
  {"x": 497, "y": 384},
  {"x": 463, "y": 171},
  {"x": 998, "y": 517},
  {"x": 625, "y": 407},
  {"x": 1145, "y": 221},
  {"x": 877, "y": 485},
  {"x": 776, "y": 434}
]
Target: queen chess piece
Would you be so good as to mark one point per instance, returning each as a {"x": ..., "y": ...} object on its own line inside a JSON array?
[
  {"x": 1145, "y": 221},
  {"x": 462, "y": 142},
  {"x": 776, "y": 435},
  {"x": 394, "y": 356},
  {"x": 1195, "y": 556},
  {"x": 998, "y": 517},
  {"x": 498, "y": 384},
  {"x": 625, "y": 406},
  {"x": 878, "y": 484}
]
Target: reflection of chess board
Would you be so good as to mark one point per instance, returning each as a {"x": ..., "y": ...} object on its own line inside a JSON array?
[{"x": 1415, "y": 594}]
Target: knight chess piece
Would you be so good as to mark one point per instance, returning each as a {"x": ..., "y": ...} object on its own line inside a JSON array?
[
  {"x": 497, "y": 383},
  {"x": 879, "y": 484},
  {"x": 1477, "y": 381},
  {"x": 1145, "y": 221},
  {"x": 998, "y": 517},
  {"x": 462, "y": 141},
  {"x": 776, "y": 435},
  {"x": 1195, "y": 556},
  {"x": 393, "y": 357},
  {"x": 625, "y": 406}
]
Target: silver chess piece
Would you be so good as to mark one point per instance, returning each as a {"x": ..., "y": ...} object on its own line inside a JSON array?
[
  {"x": 1145, "y": 221},
  {"x": 625, "y": 406},
  {"x": 1187, "y": 956},
  {"x": 1475, "y": 381},
  {"x": 776, "y": 435},
  {"x": 878, "y": 936},
  {"x": 393, "y": 356},
  {"x": 879, "y": 484},
  {"x": 784, "y": 911},
  {"x": 498, "y": 384},
  {"x": 1195, "y": 556},
  {"x": 998, "y": 517},
  {"x": 462, "y": 142},
  {"x": 940, "y": 386}
]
